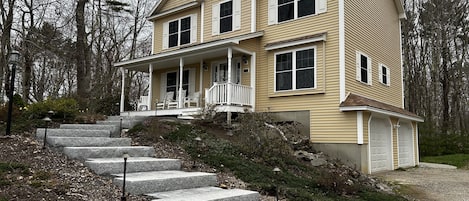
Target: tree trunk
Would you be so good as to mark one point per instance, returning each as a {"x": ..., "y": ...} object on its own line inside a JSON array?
[{"x": 82, "y": 55}]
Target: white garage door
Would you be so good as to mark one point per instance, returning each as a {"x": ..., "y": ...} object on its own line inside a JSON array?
[
  {"x": 406, "y": 145},
  {"x": 380, "y": 145}
]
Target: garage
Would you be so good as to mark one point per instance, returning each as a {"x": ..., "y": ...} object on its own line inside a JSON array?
[
  {"x": 380, "y": 144},
  {"x": 406, "y": 145}
]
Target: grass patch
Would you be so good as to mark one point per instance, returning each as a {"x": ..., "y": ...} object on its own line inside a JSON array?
[{"x": 458, "y": 160}]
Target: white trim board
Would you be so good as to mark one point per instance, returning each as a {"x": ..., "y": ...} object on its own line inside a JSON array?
[{"x": 380, "y": 111}]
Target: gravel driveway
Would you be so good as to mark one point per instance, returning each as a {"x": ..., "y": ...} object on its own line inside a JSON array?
[{"x": 432, "y": 183}]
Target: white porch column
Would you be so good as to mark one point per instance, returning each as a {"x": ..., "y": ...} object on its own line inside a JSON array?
[
  {"x": 181, "y": 74},
  {"x": 230, "y": 55},
  {"x": 253, "y": 81},
  {"x": 201, "y": 75},
  {"x": 122, "y": 90},
  {"x": 150, "y": 86}
]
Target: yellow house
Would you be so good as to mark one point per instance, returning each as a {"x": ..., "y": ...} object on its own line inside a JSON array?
[{"x": 332, "y": 65}]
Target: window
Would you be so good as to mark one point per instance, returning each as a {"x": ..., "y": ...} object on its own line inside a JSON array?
[
  {"x": 284, "y": 10},
  {"x": 384, "y": 74},
  {"x": 180, "y": 32},
  {"x": 226, "y": 16},
  {"x": 295, "y": 70},
  {"x": 172, "y": 82},
  {"x": 363, "y": 68}
]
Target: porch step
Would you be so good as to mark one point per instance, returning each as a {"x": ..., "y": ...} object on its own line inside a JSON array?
[
  {"x": 82, "y": 153},
  {"x": 125, "y": 123},
  {"x": 88, "y": 141},
  {"x": 132, "y": 118},
  {"x": 207, "y": 194},
  {"x": 114, "y": 129},
  {"x": 71, "y": 133},
  {"x": 160, "y": 181},
  {"x": 107, "y": 166}
]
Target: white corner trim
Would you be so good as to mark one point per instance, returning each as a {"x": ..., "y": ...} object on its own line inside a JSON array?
[
  {"x": 152, "y": 37},
  {"x": 202, "y": 18},
  {"x": 359, "y": 127},
  {"x": 402, "y": 64},
  {"x": 341, "y": 50},
  {"x": 380, "y": 111},
  {"x": 253, "y": 81},
  {"x": 253, "y": 15},
  {"x": 321, "y": 37}
]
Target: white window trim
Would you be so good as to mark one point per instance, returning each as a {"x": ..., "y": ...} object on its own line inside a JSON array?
[
  {"x": 388, "y": 72},
  {"x": 236, "y": 16},
  {"x": 192, "y": 35},
  {"x": 321, "y": 7},
  {"x": 294, "y": 70},
  {"x": 369, "y": 68}
]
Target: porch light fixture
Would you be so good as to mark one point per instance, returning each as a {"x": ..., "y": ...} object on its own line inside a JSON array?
[
  {"x": 47, "y": 120},
  {"x": 204, "y": 66},
  {"x": 13, "y": 59},
  {"x": 245, "y": 59}
]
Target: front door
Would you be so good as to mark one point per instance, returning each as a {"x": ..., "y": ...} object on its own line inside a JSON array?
[{"x": 220, "y": 72}]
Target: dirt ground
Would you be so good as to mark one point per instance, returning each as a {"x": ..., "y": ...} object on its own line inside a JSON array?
[{"x": 433, "y": 184}]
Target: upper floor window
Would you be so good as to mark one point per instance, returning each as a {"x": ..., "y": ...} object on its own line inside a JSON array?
[
  {"x": 226, "y": 16},
  {"x": 180, "y": 31},
  {"x": 284, "y": 10},
  {"x": 384, "y": 75},
  {"x": 363, "y": 68},
  {"x": 295, "y": 70}
]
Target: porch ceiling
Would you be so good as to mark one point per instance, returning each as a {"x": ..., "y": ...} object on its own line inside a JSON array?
[{"x": 190, "y": 54}]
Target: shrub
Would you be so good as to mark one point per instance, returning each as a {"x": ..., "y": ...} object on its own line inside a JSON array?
[{"x": 64, "y": 108}]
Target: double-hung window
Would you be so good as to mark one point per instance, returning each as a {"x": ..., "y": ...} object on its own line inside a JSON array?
[
  {"x": 180, "y": 31},
  {"x": 284, "y": 10},
  {"x": 363, "y": 68},
  {"x": 295, "y": 70},
  {"x": 384, "y": 75},
  {"x": 226, "y": 16}
]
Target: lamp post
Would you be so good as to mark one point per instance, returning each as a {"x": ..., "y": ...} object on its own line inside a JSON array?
[{"x": 13, "y": 59}]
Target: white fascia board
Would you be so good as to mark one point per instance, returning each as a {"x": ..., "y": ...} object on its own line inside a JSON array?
[
  {"x": 188, "y": 50},
  {"x": 174, "y": 10},
  {"x": 322, "y": 37},
  {"x": 381, "y": 111},
  {"x": 400, "y": 8}
]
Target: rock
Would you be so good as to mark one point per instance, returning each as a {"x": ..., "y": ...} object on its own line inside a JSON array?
[
  {"x": 318, "y": 162},
  {"x": 305, "y": 155}
]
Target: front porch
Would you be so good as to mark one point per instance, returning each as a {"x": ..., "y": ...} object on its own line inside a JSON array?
[{"x": 218, "y": 75}]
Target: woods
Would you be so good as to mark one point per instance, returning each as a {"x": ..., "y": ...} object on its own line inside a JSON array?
[
  {"x": 435, "y": 54},
  {"x": 68, "y": 49}
]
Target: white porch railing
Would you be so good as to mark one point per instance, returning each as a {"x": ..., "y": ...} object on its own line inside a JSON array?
[{"x": 218, "y": 94}]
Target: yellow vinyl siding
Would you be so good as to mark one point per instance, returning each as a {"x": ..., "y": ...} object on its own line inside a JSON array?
[
  {"x": 158, "y": 29},
  {"x": 173, "y": 4},
  {"x": 327, "y": 123},
  {"x": 245, "y": 21},
  {"x": 372, "y": 27}
]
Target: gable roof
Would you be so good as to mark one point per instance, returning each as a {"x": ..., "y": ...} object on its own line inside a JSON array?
[
  {"x": 155, "y": 11},
  {"x": 355, "y": 102}
]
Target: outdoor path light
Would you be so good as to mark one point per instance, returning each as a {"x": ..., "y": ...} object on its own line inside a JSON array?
[
  {"x": 123, "y": 197},
  {"x": 13, "y": 59},
  {"x": 276, "y": 171},
  {"x": 47, "y": 120}
]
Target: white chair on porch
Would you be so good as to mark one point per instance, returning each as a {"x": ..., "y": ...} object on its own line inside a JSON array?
[
  {"x": 174, "y": 104},
  {"x": 167, "y": 98},
  {"x": 192, "y": 100},
  {"x": 142, "y": 104}
]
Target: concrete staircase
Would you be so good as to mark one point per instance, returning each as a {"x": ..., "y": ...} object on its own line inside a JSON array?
[{"x": 101, "y": 148}]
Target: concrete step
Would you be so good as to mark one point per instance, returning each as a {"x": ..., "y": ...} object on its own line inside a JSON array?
[
  {"x": 88, "y": 141},
  {"x": 125, "y": 123},
  {"x": 115, "y": 132},
  {"x": 207, "y": 194},
  {"x": 71, "y": 133},
  {"x": 107, "y": 166},
  {"x": 160, "y": 181},
  {"x": 82, "y": 153}
]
